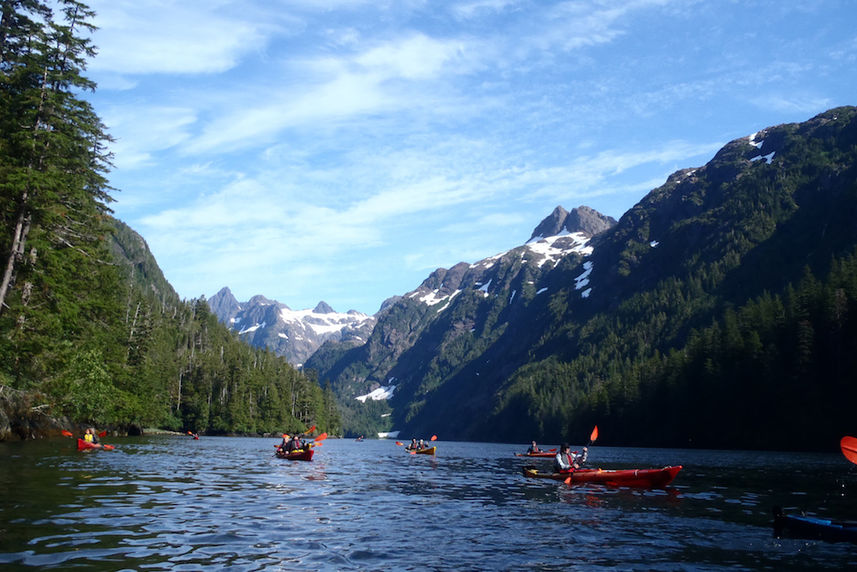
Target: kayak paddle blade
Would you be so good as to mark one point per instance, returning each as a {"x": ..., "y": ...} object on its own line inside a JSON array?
[{"x": 849, "y": 448}]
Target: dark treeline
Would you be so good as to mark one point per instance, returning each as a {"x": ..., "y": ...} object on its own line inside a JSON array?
[
  {"x": 776, "y": 372},
  {"x": 88, "y": 326}
]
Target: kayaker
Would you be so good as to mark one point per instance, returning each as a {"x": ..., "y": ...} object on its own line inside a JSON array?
[
  {"x": 90, "y": 436},
  {"x": 413, "y": 446},
  {"x": 533, "y": 448},
  {"x": 563, "y": 461},
  {"x": 294, "y": 444}
]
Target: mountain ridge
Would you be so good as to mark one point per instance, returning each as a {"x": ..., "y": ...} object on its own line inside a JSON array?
[{"x": 293, "y": 334}]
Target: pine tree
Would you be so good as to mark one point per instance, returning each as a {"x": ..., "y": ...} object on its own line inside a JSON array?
[{"x": 53, "y": 190}]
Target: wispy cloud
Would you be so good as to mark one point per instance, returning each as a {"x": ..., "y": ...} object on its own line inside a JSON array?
[
  {"x": 268, "y": 146},
  {"x": 167, "y": 37}
]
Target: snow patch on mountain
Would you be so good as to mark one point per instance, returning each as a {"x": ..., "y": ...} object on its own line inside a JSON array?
[
  {"x": 377, "y": 394},
  {"x": 553, "y": 248}
]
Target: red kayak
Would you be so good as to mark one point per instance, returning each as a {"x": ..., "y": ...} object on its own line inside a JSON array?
[
  {"x": 86, "y": 445},
  {"x": 537, "y": 454},
  {"x": 298, "y": 455},
  {"x": 645, "y": 478}
]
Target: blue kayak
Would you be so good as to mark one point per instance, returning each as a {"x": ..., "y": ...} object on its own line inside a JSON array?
[{"x": 797, "y": 526}]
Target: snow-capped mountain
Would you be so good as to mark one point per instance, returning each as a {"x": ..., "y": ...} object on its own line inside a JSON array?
[
  {"x": 427, "y": 332},
  {"x": 294, "y": 334}
]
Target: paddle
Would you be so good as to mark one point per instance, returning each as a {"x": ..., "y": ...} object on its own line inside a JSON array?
[
  {"x": 592, "y": 437},
  {"x": 103, "y": 433},
  {"x": 849, "y": 448},
  {"x": 67, "y": 433}
]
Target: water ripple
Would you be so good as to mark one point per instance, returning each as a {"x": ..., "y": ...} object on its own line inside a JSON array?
[{"x": 225, "y": 503}]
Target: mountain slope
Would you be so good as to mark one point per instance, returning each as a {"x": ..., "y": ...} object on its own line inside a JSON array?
[
  {"x": 452, "y": 318},
  {"x": 522, "y": 352}
]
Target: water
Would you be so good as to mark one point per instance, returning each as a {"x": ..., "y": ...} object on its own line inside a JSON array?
[{"x": 172, "y": 503}]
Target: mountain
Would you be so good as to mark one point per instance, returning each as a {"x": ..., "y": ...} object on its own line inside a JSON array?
[
  {"x": 452, "y": 317},
  {"x": 293, "y": 334},
  {"x": 720, "y": 311}
]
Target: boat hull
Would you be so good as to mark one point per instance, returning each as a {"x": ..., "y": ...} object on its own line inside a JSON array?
[
  {"x": 796, "y": 526},
  {"x": 86, "y": 446},
  {"x": 643, "y": 478},
  {"x": 427, "y": 451},
  {"x": 540, "y": 454},
  {"x": 299, "y": 455}
]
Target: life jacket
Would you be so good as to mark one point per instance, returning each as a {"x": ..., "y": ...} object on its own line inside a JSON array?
[{"x": 88, "y": 438}]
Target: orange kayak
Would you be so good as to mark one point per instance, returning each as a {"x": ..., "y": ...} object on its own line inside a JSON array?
[
  {"x": 644, "y": 478},
  {"x": 428, "y": 451}
]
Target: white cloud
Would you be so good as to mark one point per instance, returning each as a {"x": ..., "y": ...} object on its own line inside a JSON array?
[
  {"x": 275, "y": 147},
  {"x": 161, "y": 36}
]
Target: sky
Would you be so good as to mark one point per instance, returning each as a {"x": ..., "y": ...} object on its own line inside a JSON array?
[{"x": 341, "y": 150}]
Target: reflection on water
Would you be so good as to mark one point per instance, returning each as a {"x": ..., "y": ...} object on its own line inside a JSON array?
[{"x": 172, "y": 503}]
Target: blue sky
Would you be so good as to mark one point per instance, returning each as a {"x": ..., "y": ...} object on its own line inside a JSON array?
[{"x": 341, "y": 150}]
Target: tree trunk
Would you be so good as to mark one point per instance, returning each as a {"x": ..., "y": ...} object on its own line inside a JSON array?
[{"x": 22, "y": 228}]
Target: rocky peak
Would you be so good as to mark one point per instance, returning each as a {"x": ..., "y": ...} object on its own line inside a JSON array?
[
  {"x": 323, "y": 308},
  {"x": 581, "y": 219},
  {"x": 224, "y": 304}
]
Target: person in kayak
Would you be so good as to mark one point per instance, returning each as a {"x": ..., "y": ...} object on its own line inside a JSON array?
[
  {"x": 533, "y": 448},
  {"x": 90, "y": 436},
  {"x": 563, "y": 462},
  {"x": 413, "y": 446}
]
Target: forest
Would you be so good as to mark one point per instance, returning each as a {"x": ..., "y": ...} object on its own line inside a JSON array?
[{"x": 90, "y": 331}]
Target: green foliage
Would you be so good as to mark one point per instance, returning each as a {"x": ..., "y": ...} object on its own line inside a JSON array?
[{"x": 86, "y": 317}]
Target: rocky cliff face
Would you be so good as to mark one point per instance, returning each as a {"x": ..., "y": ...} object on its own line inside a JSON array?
[{"x": 22, "y": 416}]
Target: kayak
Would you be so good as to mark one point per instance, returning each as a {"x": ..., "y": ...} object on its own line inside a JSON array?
[
  {"x": 86, "y": 445},
  {"x": 544, "y": 454},
  {"x": 647, "y": 478},
  {"x": 298, "y": 455},
  {"x": 796, "y": 526},
  {"x": 428, "y": 451}
]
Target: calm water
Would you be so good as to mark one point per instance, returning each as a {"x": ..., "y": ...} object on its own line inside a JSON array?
[{"x": 172, "y": 503}]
